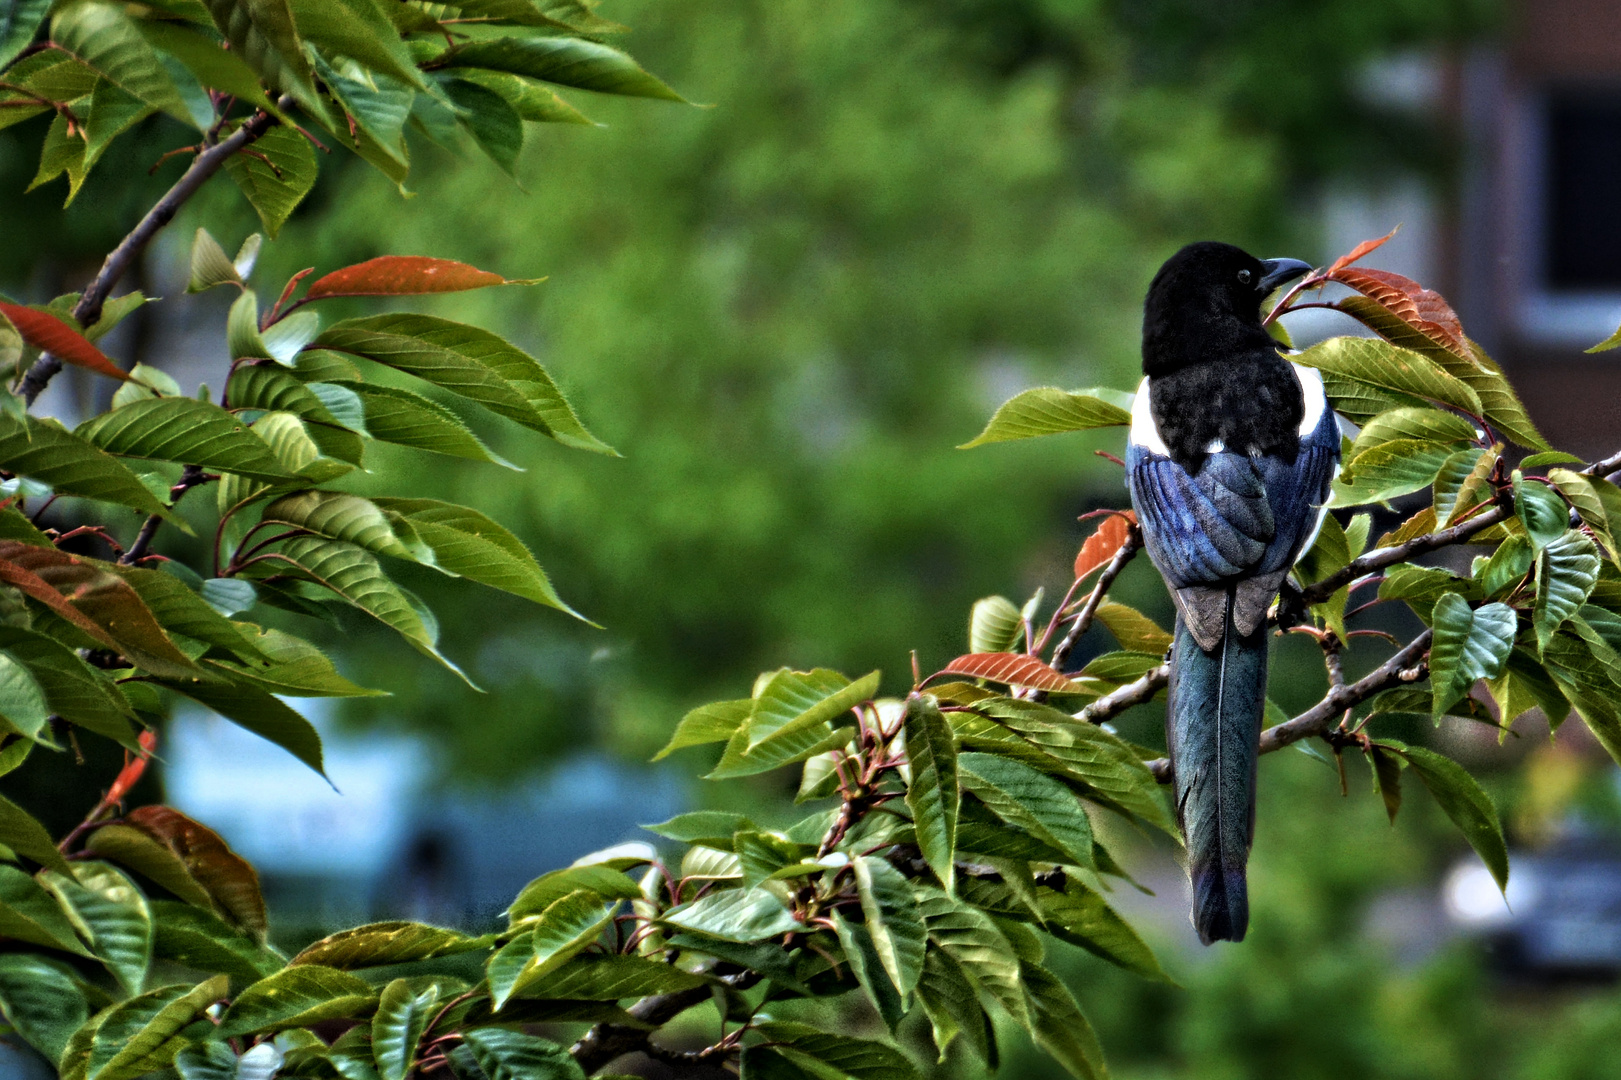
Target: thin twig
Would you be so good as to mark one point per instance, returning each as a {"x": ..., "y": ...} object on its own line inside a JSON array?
[
  {"x": 1083, "y": 619},
  {"x": 1112, "y": 704},
  {"x": 88, "y": 310}
]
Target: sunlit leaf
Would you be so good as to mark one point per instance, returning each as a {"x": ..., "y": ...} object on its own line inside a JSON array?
[
  {"x": 296, "y": 997},
  {"x": 716, "y": 722},
  {"x": 566, "y": 61},
  {"x": 112, "y": 913},
  {"x": 380, "y": 944},
  {"x": 142, "y": 1035},
  {"x": 403, "y": 1013},
  {"x": 1030, "y": 801},
  {"x": 742, "y": 915},
  {"x": 1013, "y": 669},
  {"x": 892, "y": 919},
  {"x": 184, "y": 430},
  {"x": 1048, "y": 410},
  {"x": 559, "y": 933}
]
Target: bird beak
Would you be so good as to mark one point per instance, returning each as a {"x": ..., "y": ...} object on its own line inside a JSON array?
[{"x": 1279, "y": 271}]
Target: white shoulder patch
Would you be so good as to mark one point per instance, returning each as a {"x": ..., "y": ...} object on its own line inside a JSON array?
[
  {"x": 1311, "y": 388},
  {"x": 1143, "y": 431}
]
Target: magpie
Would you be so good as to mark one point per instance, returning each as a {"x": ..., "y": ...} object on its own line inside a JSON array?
[{"x": 1231, "y": 453}]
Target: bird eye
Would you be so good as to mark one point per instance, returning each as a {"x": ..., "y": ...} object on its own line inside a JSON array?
[{"x": 1244, "y": 276}]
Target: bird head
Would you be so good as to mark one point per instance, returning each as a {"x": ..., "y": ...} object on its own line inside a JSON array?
[{"x": 1205, "y": 297}]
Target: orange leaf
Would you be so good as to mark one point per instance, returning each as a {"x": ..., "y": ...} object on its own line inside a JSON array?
[
  {"x": 224, "y": 875},
  {"x": 97, "y": 601},
  {"x": 1357, "y": 252},
  {"x": 50, "y": 334},
  {"x": 403, "y": 275},
  {"x": 1423, "y": 309},
  {"x": 1014, "y": 669},
  {"x": 1101, "y": 546}
]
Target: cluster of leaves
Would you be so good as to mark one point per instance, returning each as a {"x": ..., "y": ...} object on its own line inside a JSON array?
[{"x": 362, "y": 71}]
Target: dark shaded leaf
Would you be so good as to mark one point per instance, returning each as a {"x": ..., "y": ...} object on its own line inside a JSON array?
[{"x": 1463, "y": 800}]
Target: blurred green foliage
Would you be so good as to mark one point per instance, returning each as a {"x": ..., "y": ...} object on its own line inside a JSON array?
[{"x": 787, "y": 309}]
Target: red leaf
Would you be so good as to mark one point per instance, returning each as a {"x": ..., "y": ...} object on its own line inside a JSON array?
[
  {"x": 404, "y": 275},
  {"x": 1356, "y": 253},
  {"x": 95, "y": 600},
  {"x": 1101, "y": 546},
  {"x": 1423, "y": 309},
  {"x": 223, "y": 874},
  {"x": 50, "y": 334},
  {"x": 1014, "y": 669}
]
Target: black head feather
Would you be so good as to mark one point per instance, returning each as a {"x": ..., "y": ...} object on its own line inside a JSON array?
[{"x": 1215, "y": 373}]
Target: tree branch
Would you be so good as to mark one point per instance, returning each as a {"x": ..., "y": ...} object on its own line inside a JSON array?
[
  {"x": 605, "y": 1042},
  {"x": 1375, "y": 560},
  {"x": 191, "y": 476},
  {"x": 1317, "y": 719},
  {"x": 88, "y": 310},
  {"x": 1133, "y": 693}
]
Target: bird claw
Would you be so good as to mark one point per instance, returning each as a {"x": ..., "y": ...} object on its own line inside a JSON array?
[{"x": 1290, "y": 609}]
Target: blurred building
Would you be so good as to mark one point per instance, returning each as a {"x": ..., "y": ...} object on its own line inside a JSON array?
[{"x": 382, "y": 840}]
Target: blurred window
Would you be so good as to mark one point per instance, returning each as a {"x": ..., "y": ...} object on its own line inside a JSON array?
[{"x": 1583, "y": 214}]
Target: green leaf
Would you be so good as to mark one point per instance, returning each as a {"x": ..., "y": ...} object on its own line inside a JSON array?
[
  {"x": 1413, "y": 425},
  {"x": 1541, "y": 510},
  {"x": 792, "y": 702},
  {"x": 142, "y": 1035},
  {"x": 1083, "y": 917},
  {"x": 462, "y": 542},
  {"x": 380, "y": 944},
  {"x": 862, "y": 1059},
  {"x": 28, "y": 913},
  {"x": 892, "y": 919},
  {"x": 712, "y": 828},
  {"x": 295, "y": 668},
  {"x": 470, "y": 362},
  {"x": 262, "y": 33},
  {"x": 560, "y": 932},
  {"x": 1384, "y": 366},
  {"x": 739, "y": 760},
  {"x": 972, "y": 939},
  {"x": 20, "y": 20},
  {"x": 1422, "y": 586},
  {"x": 862, "y": 956},
  {"x": 1389, "y": 470},
  {"x": 741, "y": 915},
  {"x": 403, "y": 1013},
  {"x": 212, "y": 66},
  {"x": 994, "y": 625},
  {"x": 612, "y": 978},
  {"x": 1463, "y": 800},
  {"x": 1132, "y": 629},
  {"x": 716, "y": 722},
  {"x": 350, "y": 518},
  {"x": 933, "y": 795},
  {"x": 274, "y": 187},
  {"x": 296, "y": 997},
  {"x": 199, "y": 939},
  {"x": 20, "y": 832},
  {"x": 530, "y": 100},
  {"x": 154, "y": 860},
  {"x": 1524, "y": 684},
  {"x": 565, "y": 61},
  {"x": 1029, "y": 801},
  {"x": 1047, "y": 410},
  {"x": 1469, "y": 644},
  {"x": 952, "y": 1003},
  {"x": 1084, "y": 752},
  {"x": 261, "y": 713},
  {"x": 493, "y": 123},
  {"x": 510, "y": 1055},
  {"x": 42, "y": 999},
  {"x": 22, "y": 699},
  {"x": 184, "y": 430},
  {"x": 45, "y": 451},
  {"x": 1461, "y": 483},
  {"x": 1567, "y": 570},
  {"x": 210, "y": 266},
  {"x": 1058, "y": 1025},
  {"x": 360, "y": 30},
  {"x": 1584, "y": 679},
  {"x": 404, "y": 418},
  {"x": 1588, "y": 498},
  {"x": 355, "y": 576},
  {"x": 113, "y": 916},
  {"x": 104, "y": 36}
]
